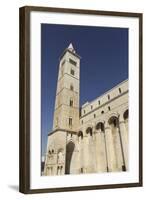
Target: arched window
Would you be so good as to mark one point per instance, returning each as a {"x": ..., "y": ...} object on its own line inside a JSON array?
[
  {"x": 72, "y": 62},
  {"x": 80, "y": 134},
  {"x": 113, "y": 121},
  {"x": 71, "y": 87},
  {"x": 70, "y": 122},
  {"x": 89, "y": 130},
  {"x": 71, "y": 102},
  {"x": 72, "y": 72},
  {"x": 100, "y": 126},
  {"x": 120, "y": 90},
  {"x": 125, "y": 115}
]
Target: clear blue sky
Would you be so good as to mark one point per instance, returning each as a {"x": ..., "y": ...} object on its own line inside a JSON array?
[{"x": 104, "y": 63}]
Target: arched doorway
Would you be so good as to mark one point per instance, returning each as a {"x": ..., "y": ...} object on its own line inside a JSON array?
[{"x": 69, "y": 152}]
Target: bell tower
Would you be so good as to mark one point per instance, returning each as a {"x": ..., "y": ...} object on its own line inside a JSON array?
[{"x": 66, "y": 113}]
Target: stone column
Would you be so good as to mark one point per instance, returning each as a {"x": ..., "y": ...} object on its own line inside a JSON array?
[
  {"x": 126, "y": 127},
  {"x": 103, "y": 156},
  {"x": 86, "y": 153},
  {"x": 92, "y": 152},
  {"x": 81, "y": 155},
  {"x": 106, "y": 154},
  {"x": 101, "y": 164},
  {"x": 97, "y": 132},
  {"x": 58, "y": 170},
  {"x": 124, "y": 139},
  {"x": 118, "y": 148},
  {"x": 111, "y": 159},
  {"x": 75, "y": 160}
]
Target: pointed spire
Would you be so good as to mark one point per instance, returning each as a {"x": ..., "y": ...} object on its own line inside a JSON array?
[{"x": 70, "y": 47}]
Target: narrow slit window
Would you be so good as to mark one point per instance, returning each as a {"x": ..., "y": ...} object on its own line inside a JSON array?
[
  {"x": 72, "y": 62},
  {"x": 71, "y": 102},
  {"x": 120, "y": 91},
  {"x": 71, "y": 87},
  {"x": 72, "y": 72},
  {"x": 70, "y": 121}
]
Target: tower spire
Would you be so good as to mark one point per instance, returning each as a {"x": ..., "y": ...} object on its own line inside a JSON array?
[{"x": 71, "y": 48}]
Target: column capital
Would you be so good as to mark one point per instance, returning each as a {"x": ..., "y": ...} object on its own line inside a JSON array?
[
  {"x": 97, "y": 131},
  {"x": 121, "y": 122},
  {"x": 107, "y": 127},
  {"x": 85, "y": 136},
  {"x": 121, "y": 118}
]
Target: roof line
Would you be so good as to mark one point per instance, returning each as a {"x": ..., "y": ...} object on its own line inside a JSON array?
[{"x": 104, "y": 93}]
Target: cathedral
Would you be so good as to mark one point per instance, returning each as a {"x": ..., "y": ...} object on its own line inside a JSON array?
[{"x": 92, "y": 138}]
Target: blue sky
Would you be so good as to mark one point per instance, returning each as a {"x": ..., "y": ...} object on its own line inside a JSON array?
[{"x": 104, "y": 63}]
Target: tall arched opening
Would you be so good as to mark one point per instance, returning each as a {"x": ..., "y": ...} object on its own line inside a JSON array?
[{"x": 69, "y": 152}]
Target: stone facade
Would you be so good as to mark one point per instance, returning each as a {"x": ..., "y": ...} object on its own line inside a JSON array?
[{"x": 90, "y": 139}]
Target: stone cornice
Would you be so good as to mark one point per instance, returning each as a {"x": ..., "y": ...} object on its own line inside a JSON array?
[
  {"x": 66, "y": 89},
  {"x": 68, "y": 75},
  {"x": 63, "y": 104},
  {"x": 64, "y": 130},
  {"x": 74, "y": 54},
  {"x": 106, "y": 103}
]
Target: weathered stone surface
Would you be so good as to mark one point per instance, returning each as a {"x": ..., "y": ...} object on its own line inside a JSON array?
[{"x": 97, "y": 140}]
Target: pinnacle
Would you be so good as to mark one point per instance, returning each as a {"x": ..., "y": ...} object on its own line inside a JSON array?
[{"x": 71, "y": 48}]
